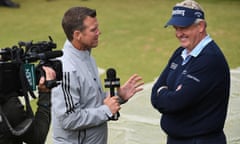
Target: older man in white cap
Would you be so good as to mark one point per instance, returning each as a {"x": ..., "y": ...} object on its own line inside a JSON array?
[{"x": 193, "y": 90}]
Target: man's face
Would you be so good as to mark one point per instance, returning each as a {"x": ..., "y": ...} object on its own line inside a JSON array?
[
  {"x": 189, "y": 36},
  {"x": 89, "y": 36}
]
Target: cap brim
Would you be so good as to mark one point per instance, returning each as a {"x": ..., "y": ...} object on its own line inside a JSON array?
[{"x": 180, "y": 21}]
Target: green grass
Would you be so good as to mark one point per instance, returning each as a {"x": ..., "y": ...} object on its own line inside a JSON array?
[{"x": 133, "y": 39}]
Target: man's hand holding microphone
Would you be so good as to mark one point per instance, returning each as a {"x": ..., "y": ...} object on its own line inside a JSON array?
[{"x": 124, "y": 93}]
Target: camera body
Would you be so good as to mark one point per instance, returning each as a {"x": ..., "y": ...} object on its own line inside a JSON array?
[{"x": 18, "y": 63}]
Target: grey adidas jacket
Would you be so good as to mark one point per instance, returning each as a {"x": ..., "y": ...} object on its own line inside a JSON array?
[{"x": 78, "y": 113}]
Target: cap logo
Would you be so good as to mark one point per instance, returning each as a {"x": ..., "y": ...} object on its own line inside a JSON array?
[
  {"x": 178, "y": 12},
  {"x": 183, "y": 16},
  {"x": 198, "y": 14},
  {"x": 187, "y": 12}
]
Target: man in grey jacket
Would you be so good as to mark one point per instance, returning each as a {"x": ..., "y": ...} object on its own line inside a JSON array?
[{"x": 80, "y": 108}]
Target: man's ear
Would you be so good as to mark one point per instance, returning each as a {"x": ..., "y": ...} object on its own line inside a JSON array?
[
  {"x": 202, "y": 25},
  {"x": 77, "y": 34}
]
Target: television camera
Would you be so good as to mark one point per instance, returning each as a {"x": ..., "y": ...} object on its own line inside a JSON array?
[{"x": 18, "y": 72}]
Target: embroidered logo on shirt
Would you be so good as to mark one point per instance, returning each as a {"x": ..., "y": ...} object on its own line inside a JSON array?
[
  {"x": 193, "y": 78},
  {"x": 184, "y": 72},
  {"x": 173, "y": 65}
]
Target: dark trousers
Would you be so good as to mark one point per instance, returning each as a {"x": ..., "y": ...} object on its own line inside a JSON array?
[{"x": 218, "y": 138}]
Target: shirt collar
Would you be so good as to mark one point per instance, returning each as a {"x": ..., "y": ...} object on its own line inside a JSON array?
[
  {"x": 196, "y": 51},
  {"x": 81, "y": 54}
]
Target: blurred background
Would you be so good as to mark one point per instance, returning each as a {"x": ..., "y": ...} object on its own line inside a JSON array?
[{"x": 133, "y": 40}]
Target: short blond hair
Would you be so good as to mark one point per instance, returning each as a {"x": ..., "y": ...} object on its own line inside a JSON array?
[{"x": 190, "y": 4}]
